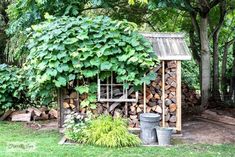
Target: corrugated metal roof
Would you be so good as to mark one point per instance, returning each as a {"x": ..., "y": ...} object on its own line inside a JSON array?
[{"x": 169, "y": 46}]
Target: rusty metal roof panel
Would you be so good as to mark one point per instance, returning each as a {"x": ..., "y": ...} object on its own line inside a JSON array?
[{"x": 169, "y": 46}]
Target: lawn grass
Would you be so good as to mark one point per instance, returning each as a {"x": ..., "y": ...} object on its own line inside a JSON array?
[{"x": 46, "y": 145}]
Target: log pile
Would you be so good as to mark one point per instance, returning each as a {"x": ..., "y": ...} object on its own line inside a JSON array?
[
  {"x": 70, "y": 102},
  {"x": 190, "y": 100},
  {"x": 189, "y": 97},
  {"x": 30, "y": 114},
  {"x": 154, "y": 96}
]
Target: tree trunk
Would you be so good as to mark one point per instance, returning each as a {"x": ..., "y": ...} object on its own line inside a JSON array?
[
  {"x": 232, "y": 84},
  {"x": 223, "y": 70},
  {"x": 216, "y": 93},
  {"x": 3, "y": 37},
  {"x": 3, "y": 41},
  {"x": 224, "y": 66},
  {"x": 205, "y": 61},
  {"x": 194, "y": 46},
  {"x": 215, "y": 34}
]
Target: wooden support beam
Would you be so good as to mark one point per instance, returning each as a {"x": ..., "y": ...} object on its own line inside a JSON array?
[
  {"x": 126, "y": 109},
  {"x": 178, "y": 97},
  {"x": 77, "y": 100},
  {"x": 98, "y": 89},
  {"x": 163, "y": 94},
  {"x": 144, "y": 96},
  {"x": 120, "y": 99},
  {"x": 61, "y": 108},
  {"x": 111, "y": 85},
  {"x": 107, "y": 90}
]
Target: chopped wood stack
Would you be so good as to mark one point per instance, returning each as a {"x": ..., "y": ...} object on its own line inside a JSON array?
[
  {"x": 30, "y": 114},
  {"x": 190, "y": 100},
  {"x": 70, "y": 102},
  {"x": 189, "y": 97},
  {"x": 154, "y": 97}
]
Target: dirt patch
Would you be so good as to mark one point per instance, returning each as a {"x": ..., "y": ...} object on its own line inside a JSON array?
[
  {"x": 226, "y": 111},
  {"x": 43, "y": 125},
  {"x": 198, "y": 130},
  {"x": 195, "y": 130}
]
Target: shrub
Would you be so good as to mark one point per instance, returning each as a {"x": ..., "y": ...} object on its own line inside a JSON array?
[
  {"x": 109, "y": 132},
  {"x": 13, "y": 87}
]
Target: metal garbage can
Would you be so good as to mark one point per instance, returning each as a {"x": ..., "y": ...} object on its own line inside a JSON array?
[{"x": 148, "y": 123}]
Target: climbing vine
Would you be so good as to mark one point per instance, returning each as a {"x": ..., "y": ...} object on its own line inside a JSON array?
[{"x": 68, "y": 48}]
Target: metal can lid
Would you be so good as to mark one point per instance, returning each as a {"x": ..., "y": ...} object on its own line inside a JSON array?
[{"x": 149, "y": 117}]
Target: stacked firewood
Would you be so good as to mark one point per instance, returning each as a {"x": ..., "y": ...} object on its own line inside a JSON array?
[
  {"x": 70, "y": 102},
  {"x": 30, "y": 114},
  {"x": 154, "y": 97},
  {"x": 133, "y": 110},
  {"x": 190, "y": 99}
]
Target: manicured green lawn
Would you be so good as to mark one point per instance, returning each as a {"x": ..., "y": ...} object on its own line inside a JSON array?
[{"x": 46, "y": 145}]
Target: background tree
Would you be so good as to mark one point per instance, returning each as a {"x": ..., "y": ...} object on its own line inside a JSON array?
[
  {"x": 201, "y": 13},
  {"x": 3, "y": 25},
  {"x": 24, "y": 13},
  {"x": 226, "y": 40}
]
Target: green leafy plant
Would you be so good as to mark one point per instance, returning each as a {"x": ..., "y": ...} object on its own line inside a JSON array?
[
  {"x": 13, "y": 88},
  {"x": 190, "y": 74},
  {"x": 109, "y": 132},
  {"x": 74, "y": 124},
  {"x": 66, "y": 48}
]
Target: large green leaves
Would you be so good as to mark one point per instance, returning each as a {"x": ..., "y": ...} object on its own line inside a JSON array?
[
  {"x": 82, "y": 89},
  {"x": 105, "y": 66},
  {"x": 70, "y": 41},
  {"x": 13, "y": 87},
  {"x": 64, "y": 49},
  {"x": 60, "y": 82}
]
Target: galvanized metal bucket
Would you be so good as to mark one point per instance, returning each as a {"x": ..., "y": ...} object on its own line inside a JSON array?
[
  {"x": 164, "y": 136},
  {"x": 148, "y": 123}
]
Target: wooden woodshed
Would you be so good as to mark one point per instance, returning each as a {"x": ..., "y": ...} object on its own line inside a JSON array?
[
  {"x": 162, "y": 96},
  {"x": 171, "y": 49}
]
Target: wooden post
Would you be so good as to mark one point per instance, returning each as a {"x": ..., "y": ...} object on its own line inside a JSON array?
[
  {"x": 126, "y": 104},
  {"x": 111, "y": 85},
  {"x": 136, "y": 96},
  {"x": 144, "y": 96},
  {"x": 77, "y": 101},
  {"x": 126, "y": 109},
  {"x": 107, "y": 90},
  {"x": 163, "y": 93},
  {"x": 178, "y": 97},
  {"x": 61, "y": 108},
  {"x": 98, "y": 89}
]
